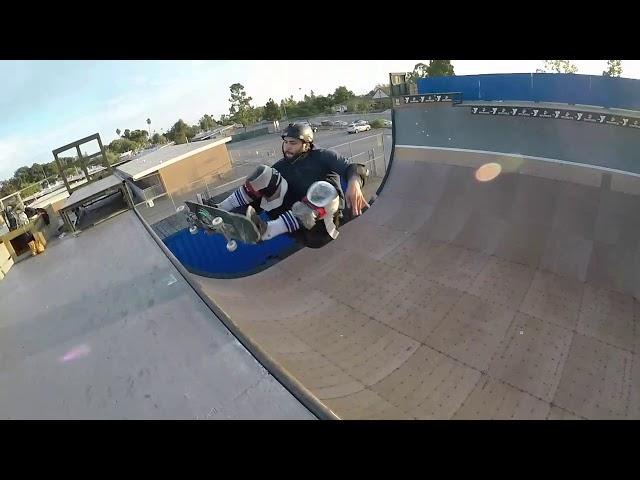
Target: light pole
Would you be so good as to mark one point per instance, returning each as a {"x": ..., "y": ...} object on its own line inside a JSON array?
[{"x": 44, "y": 176}]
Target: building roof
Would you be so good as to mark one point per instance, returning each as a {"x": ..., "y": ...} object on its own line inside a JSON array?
[
  {"x": 379, "y": 93},
  {"x": 152, "y": 162},
  {"x": 211, "y": 133},
  {"x": 91, "y": 189}
]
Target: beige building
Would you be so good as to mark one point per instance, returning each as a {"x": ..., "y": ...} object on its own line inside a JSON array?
[{"x": 175, "y": 170}]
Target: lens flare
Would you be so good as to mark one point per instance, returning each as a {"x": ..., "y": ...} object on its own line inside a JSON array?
[
  {"x": 75, "y": 353},
  {"x": 488, "y": 172}
]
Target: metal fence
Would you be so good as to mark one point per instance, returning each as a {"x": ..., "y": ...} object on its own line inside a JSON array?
[{"x": 254, "y": 156}]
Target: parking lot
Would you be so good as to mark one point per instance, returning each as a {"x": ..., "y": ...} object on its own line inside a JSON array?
[{"x": 267, "y": 149}]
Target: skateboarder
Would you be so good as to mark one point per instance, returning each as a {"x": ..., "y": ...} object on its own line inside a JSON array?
[{"x": 301, "y": 193}]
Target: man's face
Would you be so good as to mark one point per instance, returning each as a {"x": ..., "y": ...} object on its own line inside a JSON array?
[{"x": 292, "y": 147}]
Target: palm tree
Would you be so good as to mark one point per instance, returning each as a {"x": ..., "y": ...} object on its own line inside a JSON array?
[
  {"x": 118, "y": 131},
  {"x": 149, "y": 123}
]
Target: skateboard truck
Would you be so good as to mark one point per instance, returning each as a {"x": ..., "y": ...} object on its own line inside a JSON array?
[{"x": 217, "y": 225}]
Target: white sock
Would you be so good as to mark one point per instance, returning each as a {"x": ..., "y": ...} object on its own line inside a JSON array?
[
  {"x": 237, "y": 199},
  {"x": 285, "y": 223}
]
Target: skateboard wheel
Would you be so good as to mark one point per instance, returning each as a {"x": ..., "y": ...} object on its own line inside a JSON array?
[
  {"x": 232, "y": 245},
  {"x": 180, "y": 209},
  {"x": 193, "y": 229},
  {"x": 217, "y": 222}
]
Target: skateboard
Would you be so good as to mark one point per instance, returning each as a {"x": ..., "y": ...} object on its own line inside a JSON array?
[{"x": 233, "y": 226}]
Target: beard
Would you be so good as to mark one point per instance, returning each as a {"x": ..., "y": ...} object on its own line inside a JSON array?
[
  {"x": 294, "y": 156},
  {"x": 289, "y": 155}
]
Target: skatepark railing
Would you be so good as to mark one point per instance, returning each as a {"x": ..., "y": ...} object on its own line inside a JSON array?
[
  {"x": 153, "y": 192},
  {"x": 148, "y": 194},
  {"x": 243, "y": 156},
  {"x": 367, "y": 159}
]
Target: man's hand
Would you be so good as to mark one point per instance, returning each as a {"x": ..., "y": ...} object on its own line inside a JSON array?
[{"x": 355, "y": 199}]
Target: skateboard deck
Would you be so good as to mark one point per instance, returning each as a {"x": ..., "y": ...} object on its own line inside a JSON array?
[{"x": 232, "y": 225}]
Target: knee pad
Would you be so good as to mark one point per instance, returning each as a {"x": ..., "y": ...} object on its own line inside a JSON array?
[
  {"x": 322, "y": 202},
  {"x": 267, "y": 185}
]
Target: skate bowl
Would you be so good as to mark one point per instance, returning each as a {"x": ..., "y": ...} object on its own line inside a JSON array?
[{"x": 495, "y": 277}]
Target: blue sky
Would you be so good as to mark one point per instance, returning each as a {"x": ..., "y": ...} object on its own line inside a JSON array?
[{"x": 46, "y": 104}]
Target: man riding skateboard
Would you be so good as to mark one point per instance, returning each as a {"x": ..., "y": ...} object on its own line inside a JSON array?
[{"x": 301, "y": 193}]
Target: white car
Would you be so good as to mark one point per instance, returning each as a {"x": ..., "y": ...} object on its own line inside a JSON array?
[
  {"x": 387, "y": 123},
  {"x": 358, "y": 127}
]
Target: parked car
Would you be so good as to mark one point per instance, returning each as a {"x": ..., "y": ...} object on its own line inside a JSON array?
[
  {"x": 340, "y": 123},
  {"x": 355, "y": 127},
  {"x": 314, "y": 126},
  {"x": 387, "y": 123}
]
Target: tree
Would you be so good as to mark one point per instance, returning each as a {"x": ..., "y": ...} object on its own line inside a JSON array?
[
  {"x": 180, "y": 138},
  {"x": 50, "y": 168},
  {"x": 240, "y": 105},
  {"x": 192, "y": 131},
  {"x": 127, "y": 134},
  {"x": 321, "y": 103},
  {"x": 10, "y": 186},
  {"x": 111, "y": 156},
  {"x": 560, "y": 66},
  {"x": 440, "y": 68},
  {"x": 178, "y": 128},
  {"x": 614, "y": 68},
  {"x": 118, "y": 131},
  {"x": 23, "y": 175},
  {"x": 255, "y": 114},
  {"x": 436, "y": 68},
  {"x": 141, "y": 137},
  {"x": 419, "y": 71},
  {"x": 149, "y": 123},
  {"x": 37, "y": 172},
  {"x": 272, "y": 110},
  {"x": 341, "y": 95},
  {"x": 158, "y": 139},
  {"x": 225, "y": 120},
  {"x": 121, "y": 145},
  {"x": 365, "y": 106},
  {"x": 207, "y": 123},
  {"x": 310, "y": 98}
]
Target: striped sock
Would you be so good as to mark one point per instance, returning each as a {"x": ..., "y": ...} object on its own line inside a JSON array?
[
  {"x": 285, "y": 223},
  {"x": 237, "y": 199}
]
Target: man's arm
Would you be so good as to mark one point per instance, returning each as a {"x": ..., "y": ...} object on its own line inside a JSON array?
[
  {"x": 356, "y": 175},
  {"x": 340, "y": 165}
]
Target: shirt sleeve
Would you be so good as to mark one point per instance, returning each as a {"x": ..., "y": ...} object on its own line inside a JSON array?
[{"x": 336, "y": 162}]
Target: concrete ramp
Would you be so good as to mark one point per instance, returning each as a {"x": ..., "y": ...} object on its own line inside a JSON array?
[{"x": 467, "y": 291}]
